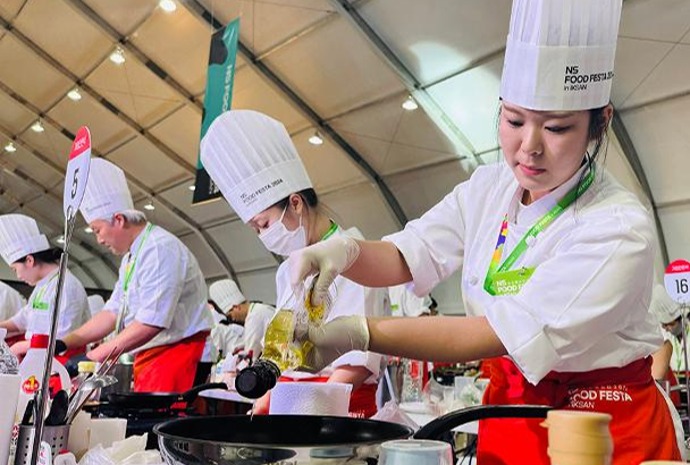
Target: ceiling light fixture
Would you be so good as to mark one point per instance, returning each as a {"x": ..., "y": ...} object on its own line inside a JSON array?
[
  {"x": 37, "y": 126},
  {"x": 168, "y": 5},
  {"x": 410, "y": 104},
  {"x": 118, "y": 56},
  {"x": 149, "y": 206},
  {"x": 316, "y": 139},
  {"x": 74, "y": 94},
  {"x": 88, "y": 230},
  {"x": 10, "y": 147},
  {"x": 192, "y": 187}
]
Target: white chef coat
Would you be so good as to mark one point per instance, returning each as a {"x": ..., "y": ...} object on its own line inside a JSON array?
[
  {"x": 210, "y": 352},
  {"x": 74, "y": 308},
  {"x": 258, "y": 318},
  {"x": 167, "y": 289},
  {"x": 11, "y": 301},
  {"x": 586, "y": 305},
  {"x": 349, "y": 298},
  {"x": 404, "y": 302},
  {"x": 677, "y": 362}
]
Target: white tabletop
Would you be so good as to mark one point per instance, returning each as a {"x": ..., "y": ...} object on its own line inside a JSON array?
[{"x": 225, "y": 394}]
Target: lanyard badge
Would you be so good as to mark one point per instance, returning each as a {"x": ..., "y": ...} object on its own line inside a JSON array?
[{"x": 501, "y": 280}]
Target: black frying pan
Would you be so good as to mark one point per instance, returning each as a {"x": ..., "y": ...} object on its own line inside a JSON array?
[
  {"x": 158, "y": 400},
  {"x": 241, "y": 440}
]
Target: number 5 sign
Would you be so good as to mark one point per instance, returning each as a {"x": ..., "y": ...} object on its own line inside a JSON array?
[
  {"x": 77, "y": 172},
  {"x": 677, "y": 281}
]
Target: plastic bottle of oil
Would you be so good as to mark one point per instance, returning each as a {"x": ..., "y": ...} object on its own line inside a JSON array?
[{"x": 281, "y": 352}]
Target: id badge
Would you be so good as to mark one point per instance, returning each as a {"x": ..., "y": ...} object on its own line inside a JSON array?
[
  {"x": 120, "y": 323},
  {"x": 511, "y": 282}
]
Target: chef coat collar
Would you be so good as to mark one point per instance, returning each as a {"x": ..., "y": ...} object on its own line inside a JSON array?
[
  {"x": 530, "y": 214},
  {"x": 138, "y": 239}
]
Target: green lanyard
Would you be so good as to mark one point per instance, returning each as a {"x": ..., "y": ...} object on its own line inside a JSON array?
[
  {"x": 129, "y": 267},
  {"x": 538, "y": 227},
  {"x": 331, "y": 230},
  {"x": 37, "y": 302}
]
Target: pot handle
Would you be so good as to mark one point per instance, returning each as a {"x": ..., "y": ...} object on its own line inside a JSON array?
[
  {"x": 190, "y": 395},
  {"x": 436, "y": 428}
]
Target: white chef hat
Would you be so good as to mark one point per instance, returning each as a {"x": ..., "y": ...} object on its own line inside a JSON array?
[
  {"x": 560, "y": 53},
  {"x": 96, "y": 303},
  {"x": 665, "y": 309},
  {"x": 19, "y": 237},
  {"x": 252, "y": 160},
  {"x": 225, "y": 294},
  {"x": 106, "y": 193}
]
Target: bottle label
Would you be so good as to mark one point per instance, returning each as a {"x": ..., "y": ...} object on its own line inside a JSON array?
[{"x": 30, "y": 385}]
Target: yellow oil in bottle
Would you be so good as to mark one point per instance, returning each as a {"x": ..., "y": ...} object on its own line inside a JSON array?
[{"x": 279, "y": 345}]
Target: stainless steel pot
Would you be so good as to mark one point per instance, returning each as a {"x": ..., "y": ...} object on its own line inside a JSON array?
[{"x": 124, "y": 372}]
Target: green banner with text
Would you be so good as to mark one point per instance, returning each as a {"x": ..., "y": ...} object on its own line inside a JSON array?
[{"x": 218, "y": 97}]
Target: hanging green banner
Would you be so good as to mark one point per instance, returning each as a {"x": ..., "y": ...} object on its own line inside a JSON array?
[{"x": 218, "y": 98}]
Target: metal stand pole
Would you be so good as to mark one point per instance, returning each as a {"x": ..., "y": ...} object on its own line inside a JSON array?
[
  {"x": 43, "y": 393},
  {"x": 684, "y": 322}
]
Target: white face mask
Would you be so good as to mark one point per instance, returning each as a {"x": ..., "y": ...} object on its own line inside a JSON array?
[{"x": 280, "y": 240}]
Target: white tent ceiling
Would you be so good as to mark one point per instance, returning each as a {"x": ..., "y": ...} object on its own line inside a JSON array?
[{"x": 344, "y": 67}]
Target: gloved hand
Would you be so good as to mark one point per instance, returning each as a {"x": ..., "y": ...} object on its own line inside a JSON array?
[
  {"x": 328, "y": 259},
  {"x": 333, "y": 339}
]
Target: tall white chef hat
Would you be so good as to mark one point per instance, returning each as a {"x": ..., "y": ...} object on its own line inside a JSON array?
[
  {"x": 665, "y": 309},
  {"x": 225, "y": 294},
  {"x": 19, "y": 237},
  {"x": 252, "y": 160},
  {"x": 106, "y": 193},
  {"x": 96, "y": 303},
  {"x": 560, "y": 53}
]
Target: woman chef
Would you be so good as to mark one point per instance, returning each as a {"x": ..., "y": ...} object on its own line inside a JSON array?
[
  {"x": 254, "y": 163},
  {"x": 556, "y": 257},
  {"x": 35, "y": 262}
]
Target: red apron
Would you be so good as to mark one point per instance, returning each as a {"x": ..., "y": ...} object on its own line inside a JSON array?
[
  {"x": 169, "y": 368},
  {"x": 362, "y": 399},
  {"x": 629, "y": 394}
]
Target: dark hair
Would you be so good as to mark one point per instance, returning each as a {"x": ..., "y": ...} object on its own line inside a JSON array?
[
  {"x": 597, "y": 130},
  {"x": 308, "y": 195},
  {"x": 51, "y": 255}
]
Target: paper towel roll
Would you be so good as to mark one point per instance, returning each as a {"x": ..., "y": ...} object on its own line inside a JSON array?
[
  {"x": 106, "y": 431},
  {"x": 9, "y": 387},
  {"x": 304, "y": 398}
]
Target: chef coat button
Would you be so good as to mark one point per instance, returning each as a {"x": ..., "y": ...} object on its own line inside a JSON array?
[{"x": 473, "y": 280}]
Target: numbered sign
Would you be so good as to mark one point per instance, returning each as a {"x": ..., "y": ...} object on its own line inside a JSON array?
[
  {"x": 677, "y": 281},
  {"x": 77, "y": 172}
]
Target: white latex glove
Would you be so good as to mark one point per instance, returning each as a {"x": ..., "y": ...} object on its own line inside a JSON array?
[
  {"x": 335, "y": 338},
  {"x": 328, "y": 259}
]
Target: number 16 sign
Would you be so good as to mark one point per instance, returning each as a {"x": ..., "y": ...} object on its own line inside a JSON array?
[{"x": 677, "y": 281}]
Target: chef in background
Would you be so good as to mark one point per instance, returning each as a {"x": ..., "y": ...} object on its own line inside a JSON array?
[
  {"x": 158, "y": 307},
  {"x": 11, "y": 302},
  {"x": 669, "y": 358},
  {"x": 35, "y": 262},
  {"x": 253, "y": 316}
]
